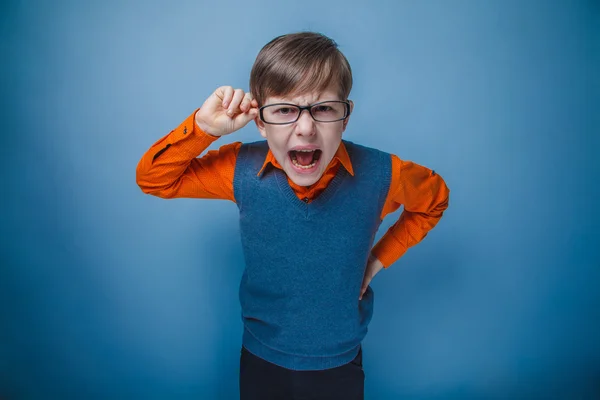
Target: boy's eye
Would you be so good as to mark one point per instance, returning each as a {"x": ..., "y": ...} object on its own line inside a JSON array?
[
  {"x": 322, "y": 109},
  {"x": 285, "y": 110}
]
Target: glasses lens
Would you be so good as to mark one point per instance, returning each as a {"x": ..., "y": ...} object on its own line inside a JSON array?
[
  {"x": 329, "y": 111},
  {"x": 280, "y": 113}
]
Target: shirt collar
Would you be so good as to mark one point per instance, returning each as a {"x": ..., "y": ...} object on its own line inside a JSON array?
[{"x": 341, "y": 156}]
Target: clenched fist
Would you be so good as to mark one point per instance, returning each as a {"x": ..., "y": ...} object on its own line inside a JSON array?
[{"x": 226, "y": 111}]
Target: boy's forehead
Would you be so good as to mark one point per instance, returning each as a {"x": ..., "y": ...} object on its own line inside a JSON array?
[{"x": 304, "y": 98}]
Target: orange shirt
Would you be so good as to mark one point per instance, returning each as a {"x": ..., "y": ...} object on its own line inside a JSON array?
[{"x": 171, "y": 168}]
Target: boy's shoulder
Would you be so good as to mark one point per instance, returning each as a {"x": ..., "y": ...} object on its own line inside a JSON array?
[
  {"x": 255, "y": 146},
  {"x": 361, "y": 147},
  {"x": 367, "y": 157}
]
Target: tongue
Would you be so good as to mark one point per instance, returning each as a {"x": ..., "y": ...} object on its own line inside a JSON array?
[{"x": 304, "y": 158}]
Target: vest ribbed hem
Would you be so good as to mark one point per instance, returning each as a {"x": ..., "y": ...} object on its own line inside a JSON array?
[{"x": 294, "y": 362}]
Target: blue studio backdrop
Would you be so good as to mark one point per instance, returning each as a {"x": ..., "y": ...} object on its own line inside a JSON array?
[{"x": 109, "y": 293}]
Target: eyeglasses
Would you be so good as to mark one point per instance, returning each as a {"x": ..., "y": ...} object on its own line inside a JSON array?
[{"x": 285, "y": 113}]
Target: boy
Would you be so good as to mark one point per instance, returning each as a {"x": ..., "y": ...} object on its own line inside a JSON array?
[{"x": 310, "y": 205}]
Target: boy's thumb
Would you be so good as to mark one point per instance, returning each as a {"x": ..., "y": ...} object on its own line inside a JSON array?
[{"x": 244, "y": 118}]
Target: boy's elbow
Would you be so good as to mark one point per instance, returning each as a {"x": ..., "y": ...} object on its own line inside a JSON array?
[
  {"x": 144, "y": 182},
  {"x": 443, "y": 189},
  {"x": 147, "y": 187},
  {"x": 441, "y": 198},
  {"x": 140, "y": 179},
  {"x": 144, "y": 187},
  {"x": 156, "y": 192},
  {"x": 444, "y": 196}
]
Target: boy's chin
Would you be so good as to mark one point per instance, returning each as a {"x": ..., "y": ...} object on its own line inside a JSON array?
[{"x": 304, "y": 180}]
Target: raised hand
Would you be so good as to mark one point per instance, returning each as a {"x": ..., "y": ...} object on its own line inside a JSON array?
[{"x": 226, "y": 110}]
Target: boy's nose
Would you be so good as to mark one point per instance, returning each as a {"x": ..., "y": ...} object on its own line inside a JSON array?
[{"x": 305, "y": 124}]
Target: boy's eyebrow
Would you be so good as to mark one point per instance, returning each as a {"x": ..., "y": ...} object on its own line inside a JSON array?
[
  {"x": 287, "y": 101},
  {"x": 290, "y": 101}
]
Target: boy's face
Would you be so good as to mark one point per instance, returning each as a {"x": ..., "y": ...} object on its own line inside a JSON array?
[{"x": 323, "y": 138}]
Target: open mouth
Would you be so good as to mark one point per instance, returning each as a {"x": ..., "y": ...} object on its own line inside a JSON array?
[{"x": 305, "y": 159}]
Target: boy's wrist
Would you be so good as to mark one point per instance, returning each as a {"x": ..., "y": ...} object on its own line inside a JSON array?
[
  {"x": 382, "y": 254},
  {"x": 189, "y": 139},
  {"x": 202, "y": 127}
]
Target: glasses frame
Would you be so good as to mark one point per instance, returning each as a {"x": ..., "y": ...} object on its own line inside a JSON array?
[{"x": 302, "y": 108}]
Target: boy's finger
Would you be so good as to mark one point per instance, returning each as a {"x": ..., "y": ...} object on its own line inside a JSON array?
[
  {"x": 225, "y": 93},
  {"x": 246, "y": 102},
  {"x": 243, "y": 118},
  {"x": 238, "y": 95}
]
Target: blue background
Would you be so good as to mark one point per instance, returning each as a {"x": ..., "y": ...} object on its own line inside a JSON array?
[{"x": 106, "y": 292}]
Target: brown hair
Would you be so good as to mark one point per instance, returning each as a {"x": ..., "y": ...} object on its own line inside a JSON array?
[{"x": 299, "y": 63}]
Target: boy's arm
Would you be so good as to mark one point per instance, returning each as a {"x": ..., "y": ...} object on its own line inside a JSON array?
[
  {"x": 424, "y": 195},
  {"x": 170, "y": 168}
]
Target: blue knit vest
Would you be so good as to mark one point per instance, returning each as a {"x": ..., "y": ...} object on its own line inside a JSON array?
[{"x": 305, "y": 262}]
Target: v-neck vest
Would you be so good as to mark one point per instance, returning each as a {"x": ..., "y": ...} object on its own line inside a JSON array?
[{"x": 305, "y": 261}]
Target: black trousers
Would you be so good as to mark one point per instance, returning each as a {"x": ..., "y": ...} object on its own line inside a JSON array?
[{"x": 260, "y": 379}]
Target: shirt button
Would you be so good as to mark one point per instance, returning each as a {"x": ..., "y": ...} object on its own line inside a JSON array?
[
  {"x": 305, "y": 199},
  {"x": 184, "y": 130}
]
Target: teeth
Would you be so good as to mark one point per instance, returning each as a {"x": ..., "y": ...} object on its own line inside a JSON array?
[{"x": 297, "y": 164}]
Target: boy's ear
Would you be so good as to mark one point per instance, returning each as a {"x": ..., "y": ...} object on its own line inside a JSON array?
[
  {"x": 348, "y": 117},
  {"x": 261, "y": 127}
]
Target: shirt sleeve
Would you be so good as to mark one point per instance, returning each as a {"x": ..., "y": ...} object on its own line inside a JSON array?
[
  {"x": 170, "y": 168},
  {"x": 425, "y": 197}
]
